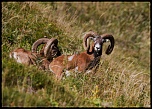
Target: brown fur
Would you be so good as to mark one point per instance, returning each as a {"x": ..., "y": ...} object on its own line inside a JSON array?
[
  {"x": 28, "y": 58},
  {"x": 60, "y": 63}
]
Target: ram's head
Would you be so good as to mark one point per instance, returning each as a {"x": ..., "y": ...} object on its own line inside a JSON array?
[
  {"x": 50, "y": 50},
  {"x": 98, "y": 40}
]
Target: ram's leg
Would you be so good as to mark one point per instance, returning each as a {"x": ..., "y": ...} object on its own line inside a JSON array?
[
  {"x": 57, "y": 70},
  {"x": 82, "y": 66}
]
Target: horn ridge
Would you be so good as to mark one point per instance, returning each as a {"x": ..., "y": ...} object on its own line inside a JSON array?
[
  {"x": 38, "y": 42},
  {"x": 112, "y": 42},
  {"x": 90, "y": 34},
  {"x": 51, "y": 42}
]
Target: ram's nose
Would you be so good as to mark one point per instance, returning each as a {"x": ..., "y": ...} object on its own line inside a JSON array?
[{"x": 97, "y": 47}]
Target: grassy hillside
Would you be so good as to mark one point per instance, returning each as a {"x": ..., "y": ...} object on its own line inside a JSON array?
[{"x": 123, "y": 77}]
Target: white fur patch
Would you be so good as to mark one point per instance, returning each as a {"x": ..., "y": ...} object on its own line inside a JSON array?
[
  {"x": 70, "y": 58},
  {"x": 10, "y": 55},
  {"x": 15, "y": 55},
  {"x": 67, "y": 73},
  {"x": 76, "y": 68},
  {"x": 97, "y": 46},
  {"x": 19, "y": 60},
  {"x": 88, "y": 71},
  {"x": 18, "y": 57}
]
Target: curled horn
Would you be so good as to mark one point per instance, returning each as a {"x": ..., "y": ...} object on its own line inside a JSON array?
[
  {"x": 86, "y": 44},
  {"x": 38, "y": 42},
  {"x": 112, "y": 42},
  {"x": 49, "y": 46}
]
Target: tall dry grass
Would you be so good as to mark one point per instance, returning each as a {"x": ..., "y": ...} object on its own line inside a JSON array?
[{"x": 122, "y": 79}]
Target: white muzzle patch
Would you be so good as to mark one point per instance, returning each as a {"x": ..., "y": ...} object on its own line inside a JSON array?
[{"x": 97, "y": 47}]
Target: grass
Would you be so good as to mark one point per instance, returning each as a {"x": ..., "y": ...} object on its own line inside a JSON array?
[{"x": 123, "y": 77}]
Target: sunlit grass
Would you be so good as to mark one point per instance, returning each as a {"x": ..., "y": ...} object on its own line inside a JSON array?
[{"x": 122, "y": 78}]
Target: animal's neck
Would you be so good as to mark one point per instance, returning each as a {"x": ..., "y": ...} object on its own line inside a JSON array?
[
  {"x": 97, "y": 54},
  {"x": 94, "y": 63},
  {"x": 95, "y": 59}
]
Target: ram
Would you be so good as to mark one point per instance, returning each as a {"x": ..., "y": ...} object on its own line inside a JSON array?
[
  {"x": 83, "y": 60},
  {"x": 43, "y": 58}
]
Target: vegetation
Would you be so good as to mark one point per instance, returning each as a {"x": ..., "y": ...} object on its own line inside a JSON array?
[{"x": 123, "y": 77}]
